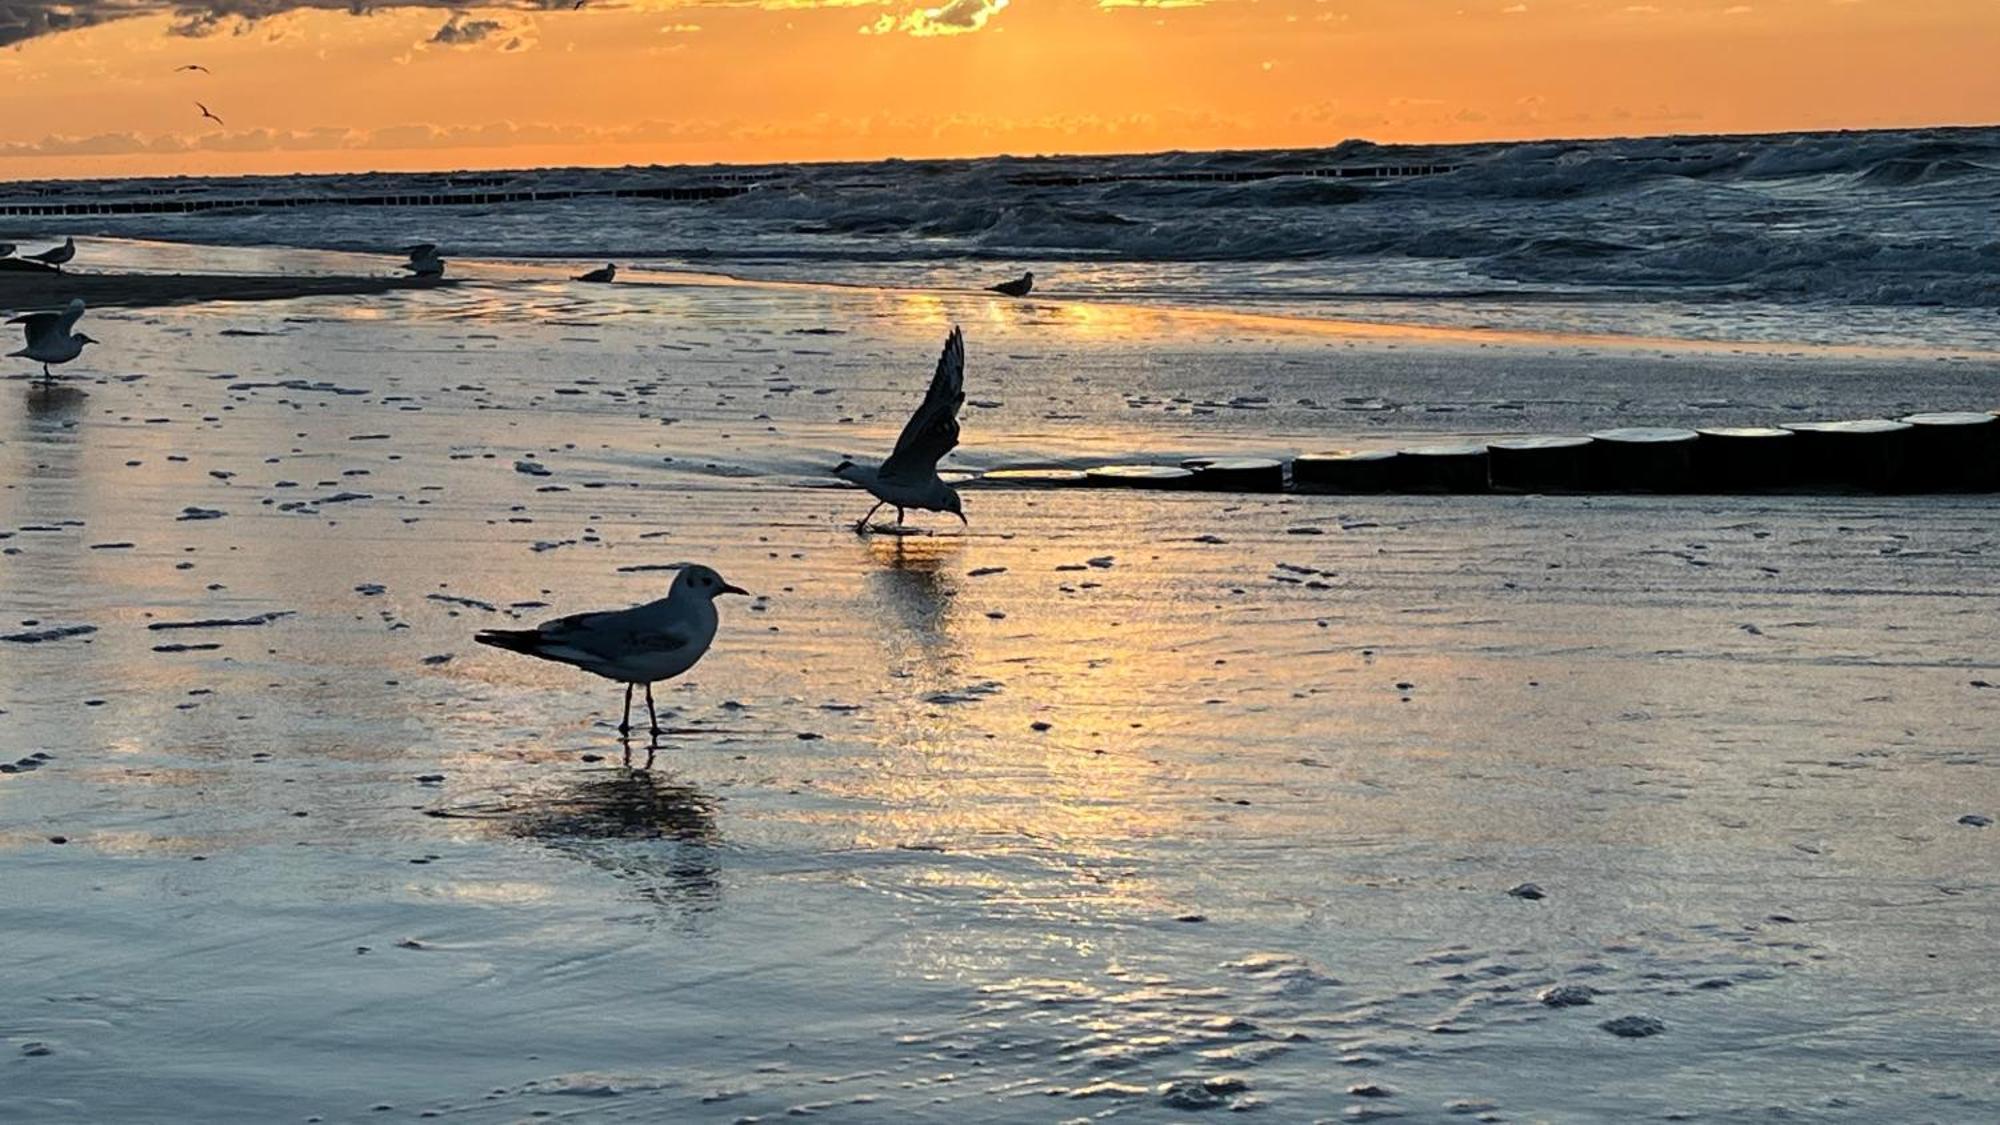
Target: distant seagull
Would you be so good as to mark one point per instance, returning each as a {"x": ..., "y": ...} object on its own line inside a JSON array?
[
  {"x": 50, "y": 339},
  {"x": 909, "y": 478},
  {"x": 643, "y": 645},
  {"x": 424, "y": 260},
  {"x": 55, "y": 256},
  {"x": 191, "y": 66},
  {"x": 1019, "y": 287},
  {"x": 609, "y": 271},
  {"x": 205, "y": 112}
]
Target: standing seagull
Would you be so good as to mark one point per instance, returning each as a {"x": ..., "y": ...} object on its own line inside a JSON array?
[
  {"x": 210, "y": 114},
  {"x": 1018, "y": 287},
  {"x": 909, "y": 478},
  {"x": 424, "y": 260},
  {"x": 605, "y": 274},
  {"x": 55, "y": 256},
  {"x": 643, "y": 645},
  {"x": 50, "y": 339}
]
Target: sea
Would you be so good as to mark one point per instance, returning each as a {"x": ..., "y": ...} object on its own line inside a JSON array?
[{"x": 1873, "y": 238}]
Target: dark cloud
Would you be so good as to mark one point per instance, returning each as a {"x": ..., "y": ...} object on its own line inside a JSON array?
[{"x": 21, "y": 20}]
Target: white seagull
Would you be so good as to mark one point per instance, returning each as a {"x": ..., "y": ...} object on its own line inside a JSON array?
[
  {"x": 909, "y": 478},
  {"x": 609, "y": 271},
  {"x": 643, "y": 645},
  {"x": 55, "y": 256},
  {"x": 50, "y": 339}
]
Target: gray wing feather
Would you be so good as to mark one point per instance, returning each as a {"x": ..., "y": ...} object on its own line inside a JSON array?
[
  {"x": 38, "y": 326},
  {"x": 932, "y": 431},
  {"x": 609, "y": 635}
]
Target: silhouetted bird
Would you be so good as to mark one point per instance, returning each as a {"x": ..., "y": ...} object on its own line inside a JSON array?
[
  {"x": 50, "y": 339},
  {"x": 609, "y": 271},
  {"x": 643, "y": 645},
  {"x": 205, "y": 112},
  {"x": 55, "y": 256},
  {"x": 1016, "y": 288},
  {"x": 424, "y": 260},
  {"x": 191, "y": 66},
  {"x": 909, "y": 478}
]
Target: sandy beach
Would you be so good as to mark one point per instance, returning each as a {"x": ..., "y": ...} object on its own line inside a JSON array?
[{"x": 1116, "y": 805}]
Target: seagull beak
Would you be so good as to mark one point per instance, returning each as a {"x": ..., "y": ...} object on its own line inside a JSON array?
[
  {"x": 962, "y": 519},
  {"x": 728, "y": 589}
]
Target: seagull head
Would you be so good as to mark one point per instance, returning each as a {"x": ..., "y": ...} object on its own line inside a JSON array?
[
  {"x": 82, "y": 339},
  {"x": 703, "y": 582},
  {"x": 954, "y": 505}
]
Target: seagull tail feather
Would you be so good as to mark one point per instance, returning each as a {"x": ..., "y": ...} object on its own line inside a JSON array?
[{"x": 525, "y": 641}]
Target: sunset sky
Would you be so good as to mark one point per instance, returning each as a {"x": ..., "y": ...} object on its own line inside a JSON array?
[{"x": 89, "y": 88}]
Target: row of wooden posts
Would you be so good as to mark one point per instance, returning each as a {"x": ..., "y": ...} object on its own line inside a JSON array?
[{"x": 1921, "y": 453}]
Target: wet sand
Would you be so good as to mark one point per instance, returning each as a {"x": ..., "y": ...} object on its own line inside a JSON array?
[
  {"x": 47, "y": 289},
  {"x": 1120, "y": 805}
]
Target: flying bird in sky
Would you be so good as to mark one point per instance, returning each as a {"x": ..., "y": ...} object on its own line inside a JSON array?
[
  {"x": 191, "y": 66},
  {"x": 909, "y": 478},
  {"x": 206, "y": 112}
]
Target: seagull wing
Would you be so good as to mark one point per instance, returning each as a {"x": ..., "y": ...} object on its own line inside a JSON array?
[
  {"x": 39, "y": 327},
  {"x": 591, "y": 638},
  {"x": 66, "y": 320},
  {"x": 932, "y": 431}
]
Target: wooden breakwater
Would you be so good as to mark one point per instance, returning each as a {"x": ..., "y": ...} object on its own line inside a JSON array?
[
  {"x": 1917, "y": 454},
  {"x": 50, "y": 208},
  {"x": 1236, "y": 176}
]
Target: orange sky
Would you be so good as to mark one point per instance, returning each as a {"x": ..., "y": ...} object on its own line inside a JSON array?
[{"x": 313, "y": 89}]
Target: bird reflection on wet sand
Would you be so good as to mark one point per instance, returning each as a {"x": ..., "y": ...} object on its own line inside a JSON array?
[
  {"x": 53, "y": 400},
  {"x": 660, "y": 836},
  {"x": 913, "y": 579}
]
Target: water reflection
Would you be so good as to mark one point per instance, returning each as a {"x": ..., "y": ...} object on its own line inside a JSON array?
[
  {"x": 53, "y": 403},
  {"x": 916, "y": 582},
  {"x": 658, "y": 836}
]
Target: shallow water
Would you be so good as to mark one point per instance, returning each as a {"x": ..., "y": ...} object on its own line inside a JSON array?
[{"x": 1298, "y": 748}]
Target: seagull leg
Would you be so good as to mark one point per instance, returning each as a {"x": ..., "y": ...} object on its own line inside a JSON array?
[
  {"x": 899, "y": 519},
  {"x": 861, "y": 528},
  {"x": 654, "y": 717},
  {"x": 625, "y": 724}
]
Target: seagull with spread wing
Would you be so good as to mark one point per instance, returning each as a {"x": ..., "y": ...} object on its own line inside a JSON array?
[
  {"x": 191, "y": 66},
  {"x": 50, "y": 337},
  {"x": 210, "y": 114},
  {"x": 643, "y": 645},
  {"x": 909, "y": 478}
]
